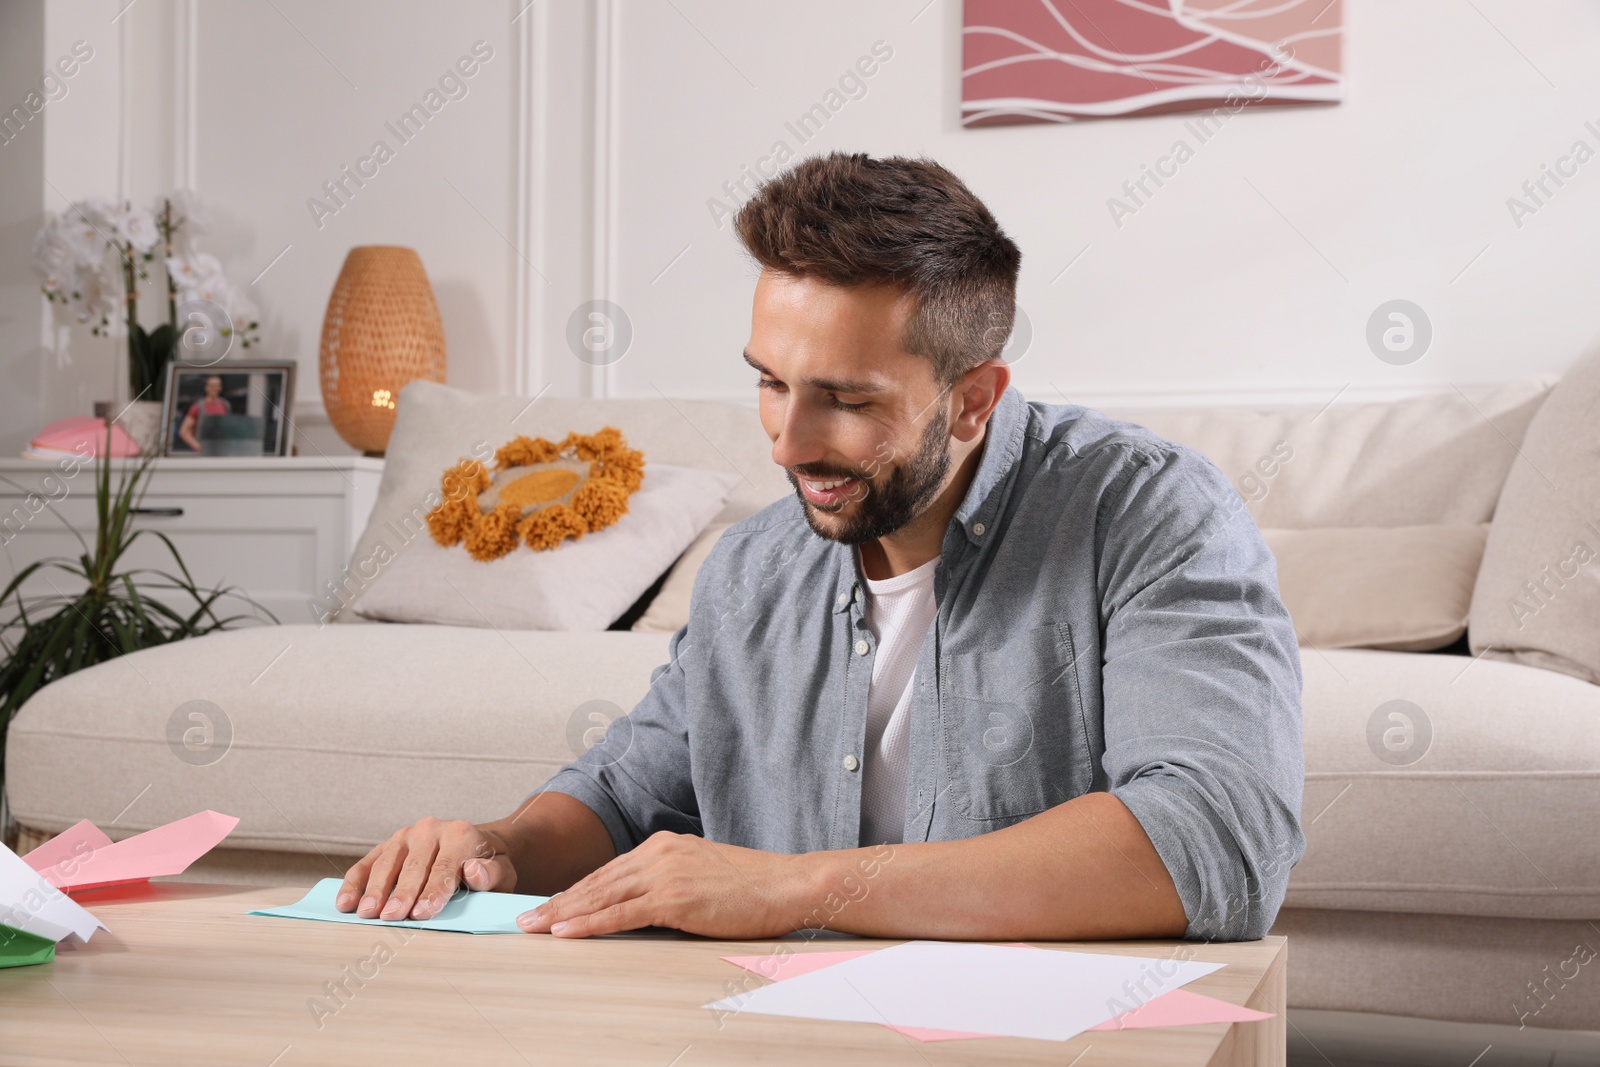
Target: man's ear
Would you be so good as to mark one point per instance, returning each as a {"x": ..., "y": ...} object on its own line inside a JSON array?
[{"x": 977, "y": 392}]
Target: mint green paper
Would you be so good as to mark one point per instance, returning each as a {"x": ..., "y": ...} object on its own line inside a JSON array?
[
  {"x": 18, "y": 948},
  {"x": 466, "y": 913}
]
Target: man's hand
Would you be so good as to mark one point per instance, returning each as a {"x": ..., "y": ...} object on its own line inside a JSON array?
[
  {"x": 414, "y": 873},
  {"x": 687, "y": 883}
]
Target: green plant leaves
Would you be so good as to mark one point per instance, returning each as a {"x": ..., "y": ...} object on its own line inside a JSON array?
[{"x": 112, "y": 611}]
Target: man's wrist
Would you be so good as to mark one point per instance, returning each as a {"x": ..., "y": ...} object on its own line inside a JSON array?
[
  {"x": 805, "y": 886},
  {"x": 510, "y": 836},
  {"x": 835, "y": 883},
  {"x": 816, "y": 870},
  {"x": 552, "y": 840}
]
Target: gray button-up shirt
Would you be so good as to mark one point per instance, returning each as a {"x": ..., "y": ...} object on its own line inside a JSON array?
[{"x": 1108, "y": 620}]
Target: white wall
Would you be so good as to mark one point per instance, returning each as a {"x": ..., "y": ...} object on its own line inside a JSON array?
[
  {"x": 21, "y": 178},
  {"x": 581, "y": 163},
  {"x": 278, "y": 119},
  {"x": 87, "y": 137},
  {"x": 1207, "y": 289},
  {"x": 255, "y": 106}
]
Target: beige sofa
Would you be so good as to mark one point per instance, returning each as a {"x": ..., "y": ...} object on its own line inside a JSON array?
[{"x": 1450, "y": 871}]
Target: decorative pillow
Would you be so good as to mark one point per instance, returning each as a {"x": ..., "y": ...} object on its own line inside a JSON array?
[
  {"x": 539, "y": 494},
  {"x": 669, "y": 611},
  {"x": 1405, "y": 588},
  {"x": 436, "y": 425},
  {"x": 1437, "y": 458},
  {"x": 1537, "y": 599},
  {"x": 584, "y": 584}
]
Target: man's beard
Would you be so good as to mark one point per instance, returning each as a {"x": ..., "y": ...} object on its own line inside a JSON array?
[{"x": 886, "y": 508}]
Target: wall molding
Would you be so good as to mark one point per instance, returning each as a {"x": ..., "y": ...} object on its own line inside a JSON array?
[
  {"x": 563, "y": 213},
  {"x": 124, "y": 108},
  {"x": 600, "y": 380},
  {"x": 120, "y": 387},
  {"x": 527, "y": 372},
  {"x": 185, "y": 92}
]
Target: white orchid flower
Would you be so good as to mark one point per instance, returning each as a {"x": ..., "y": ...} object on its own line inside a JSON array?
[{"x": 137, "y": 227}]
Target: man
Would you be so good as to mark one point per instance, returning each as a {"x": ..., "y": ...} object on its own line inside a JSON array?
[
  {"x": 998, "y": 670},
  {"x": 213, "y": 403}
]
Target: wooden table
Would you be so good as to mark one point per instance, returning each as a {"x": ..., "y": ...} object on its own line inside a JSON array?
[{"x": 186, "y": 977}]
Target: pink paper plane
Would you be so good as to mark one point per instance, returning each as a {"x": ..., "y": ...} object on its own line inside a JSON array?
[{"x": 83, "y": 857}]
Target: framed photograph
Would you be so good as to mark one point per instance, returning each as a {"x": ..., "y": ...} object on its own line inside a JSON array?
[{"x": 235, "y": 407}]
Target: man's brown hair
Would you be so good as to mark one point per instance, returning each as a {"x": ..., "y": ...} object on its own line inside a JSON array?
[{"x": 851, "y": 220}]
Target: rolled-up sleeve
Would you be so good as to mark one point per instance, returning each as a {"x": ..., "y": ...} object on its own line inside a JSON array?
[
  {"x": 1201, "y": 689},
  {"x": 636, "y": 778}
]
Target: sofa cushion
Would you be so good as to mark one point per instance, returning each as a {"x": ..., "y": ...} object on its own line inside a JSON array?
[
  {"x": 436, "y": 426},
  {"x": 322, "y": 739},
  {"x": 1440, "y": 783},
  {"x": 670, "y": 608},
  {"x": 582, "y": 584},
  {"x": 1439, "y": 458},
  {"x": 1537, "y": 599},
  {"x": 1527, "y": 973},
  {"x": 1404, "y": 588},
  {"x": 327, "y": 739}
]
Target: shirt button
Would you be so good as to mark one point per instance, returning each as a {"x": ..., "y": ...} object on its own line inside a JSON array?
[
  {"x": 977, "y": 529},
  {"x": 851, "y": 763},
  {"x": 843, "y": 599},
  {"x": 858, "y": 594},
  {"x": 862, "y": 648}
]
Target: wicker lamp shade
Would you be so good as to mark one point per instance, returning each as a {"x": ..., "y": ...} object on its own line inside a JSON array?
[{"x": 381, "y": 331}]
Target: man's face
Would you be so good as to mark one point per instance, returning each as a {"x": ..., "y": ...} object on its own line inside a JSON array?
[
  {"x": 844, "y": 403},
  {"x": 213, "y": 388}
]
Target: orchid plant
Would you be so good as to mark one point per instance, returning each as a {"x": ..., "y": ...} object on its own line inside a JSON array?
[{"x": 72, "y": 254}]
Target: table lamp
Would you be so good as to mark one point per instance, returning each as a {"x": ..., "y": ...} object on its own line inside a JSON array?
[{"x": 381, "y": 331}]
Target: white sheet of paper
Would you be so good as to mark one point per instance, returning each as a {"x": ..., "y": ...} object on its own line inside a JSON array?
[
  {"x": 28, "y": 902},
  {"x": 987, "y": 989}
]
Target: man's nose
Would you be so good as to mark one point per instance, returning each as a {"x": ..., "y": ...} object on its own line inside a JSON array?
[{"x": 799, "y": 441}]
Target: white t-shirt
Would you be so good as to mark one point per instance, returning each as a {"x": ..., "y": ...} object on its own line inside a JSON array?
[{"x": 899, "y": 611}]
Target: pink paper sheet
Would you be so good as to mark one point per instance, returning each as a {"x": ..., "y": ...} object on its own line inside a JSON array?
[
  {"x": 82, "y": 857},
  {"x": 1182, "y": 1008},
  {"x": 1177, "y": 1008},
  {"x": 86, "y": 436}
]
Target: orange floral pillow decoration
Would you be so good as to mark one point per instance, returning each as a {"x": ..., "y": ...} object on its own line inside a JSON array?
[{"x": 538, "y": 493}]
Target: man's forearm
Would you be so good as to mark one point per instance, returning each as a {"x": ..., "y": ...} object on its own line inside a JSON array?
[
  {"x": 1082, "y": 870},
  {"x": 553, "y": 840}
]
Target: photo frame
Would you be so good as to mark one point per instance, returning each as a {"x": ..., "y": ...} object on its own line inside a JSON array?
[{"x": 230, "y": 408}]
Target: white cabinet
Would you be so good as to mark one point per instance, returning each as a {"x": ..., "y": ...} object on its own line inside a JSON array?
[{"x": 278, "y": 528}]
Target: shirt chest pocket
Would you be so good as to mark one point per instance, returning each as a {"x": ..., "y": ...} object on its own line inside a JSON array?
[{"x": 1012, "y": 725}]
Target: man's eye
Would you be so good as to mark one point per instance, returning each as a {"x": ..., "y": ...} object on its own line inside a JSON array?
[{"x": 767, "y": 383}]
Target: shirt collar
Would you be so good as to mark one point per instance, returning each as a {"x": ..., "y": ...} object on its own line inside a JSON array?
[{"x": 1002, "y": 445}]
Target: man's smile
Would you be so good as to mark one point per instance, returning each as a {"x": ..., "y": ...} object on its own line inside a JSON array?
[{"x": 828, "y": 493}]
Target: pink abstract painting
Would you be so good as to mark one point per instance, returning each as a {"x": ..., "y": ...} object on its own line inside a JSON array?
[{"x": 1070, "y": 60}]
